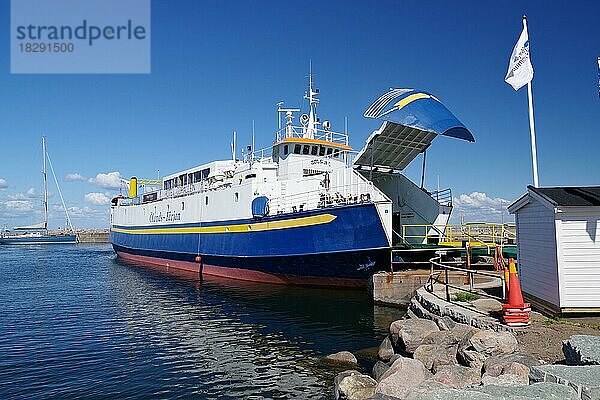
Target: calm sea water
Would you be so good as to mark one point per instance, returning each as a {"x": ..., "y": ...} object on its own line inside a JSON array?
[{"x": 77, "y": 323}]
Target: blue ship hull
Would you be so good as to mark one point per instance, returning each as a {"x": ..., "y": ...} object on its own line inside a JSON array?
[
  {"x": 45, "y": 239},
  {"x": 344, "y": 247}
]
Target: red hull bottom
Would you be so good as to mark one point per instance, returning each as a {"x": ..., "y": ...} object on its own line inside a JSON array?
[{"x": 240, "y": 274}]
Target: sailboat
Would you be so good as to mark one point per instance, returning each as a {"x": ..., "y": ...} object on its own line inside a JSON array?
[{"x": 38, "y": 233}]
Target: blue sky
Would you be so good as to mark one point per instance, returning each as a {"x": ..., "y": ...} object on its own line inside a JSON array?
[{"x": 218, "y": 65}]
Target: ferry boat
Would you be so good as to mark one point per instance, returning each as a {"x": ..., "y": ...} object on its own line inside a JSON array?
[
  {"x": 307, "y": 210},
  {"x": 38, "y": 233}
]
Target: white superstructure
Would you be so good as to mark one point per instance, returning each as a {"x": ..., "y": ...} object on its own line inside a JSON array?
[{"x": 308, "y": 167}]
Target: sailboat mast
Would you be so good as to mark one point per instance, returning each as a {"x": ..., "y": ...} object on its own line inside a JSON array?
[{"x": 45, "y": 183}]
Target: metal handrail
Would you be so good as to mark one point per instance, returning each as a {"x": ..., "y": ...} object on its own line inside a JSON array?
[
  {"x": 434, "y": 278},
  {"x": 319, "y": 134},
  {"x": 338, "y": 195},
  {"x": 443, "y": 196},
  {"x": 487, "y": 235}
]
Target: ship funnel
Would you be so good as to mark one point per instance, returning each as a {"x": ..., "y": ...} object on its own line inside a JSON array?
[{"x": 133, "y": 187}]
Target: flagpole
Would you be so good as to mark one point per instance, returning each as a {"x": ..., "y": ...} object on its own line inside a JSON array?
[
  {"x": 532, "y": 130},
  {"x": 531, "y": 122}
]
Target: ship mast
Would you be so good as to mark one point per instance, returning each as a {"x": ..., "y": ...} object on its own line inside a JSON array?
[
  {"x": 45, "y": 183},
  {"x": 312, "y": 102}
]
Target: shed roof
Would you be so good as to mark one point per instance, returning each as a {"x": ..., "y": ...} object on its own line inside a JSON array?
[
  {"x": 568, "y": 196},
  {"x": 577, "y": 196}
]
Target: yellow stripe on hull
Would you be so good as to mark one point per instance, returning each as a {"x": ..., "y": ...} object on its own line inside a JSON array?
[{"x": 237, "y": 228}]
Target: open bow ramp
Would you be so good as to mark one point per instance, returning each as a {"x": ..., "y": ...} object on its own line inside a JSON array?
[{"x": 411, "y": 120}]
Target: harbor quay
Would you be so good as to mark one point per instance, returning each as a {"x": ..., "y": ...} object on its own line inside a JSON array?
[
  {"x": 92, "y": 235},
  {"x": 458, "y": 340},
  {"x": 86, "y": 235}
]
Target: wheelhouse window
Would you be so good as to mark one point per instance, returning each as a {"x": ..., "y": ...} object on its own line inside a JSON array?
[
  {"x": 297, "y": 149},
  {"x": 321, "y": 151},
  {"x": 329, "y": 151},
  {"x": 306, "y": 149},
  {"x": 285, "y": 150},
  {"x": 336, "y": 153},
  {"x": 315, "y": 150}
]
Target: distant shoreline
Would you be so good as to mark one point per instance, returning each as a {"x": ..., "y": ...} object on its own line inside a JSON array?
[{"x": 88, "y": 235}]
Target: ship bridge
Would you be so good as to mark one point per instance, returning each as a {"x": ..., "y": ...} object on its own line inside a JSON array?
[
  {"x": 412, "y": 119},
  {"x": 314, "y": 137}
]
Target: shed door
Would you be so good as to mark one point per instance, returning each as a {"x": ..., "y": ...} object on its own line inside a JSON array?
[{"x": 579, "y": 261}]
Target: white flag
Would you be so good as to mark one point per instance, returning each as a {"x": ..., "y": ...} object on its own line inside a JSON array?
[{"x": 520, "y": 70}]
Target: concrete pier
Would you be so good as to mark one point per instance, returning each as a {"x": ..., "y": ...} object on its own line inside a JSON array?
[
  {"x": 93, "y": 236},
  {"x": 399, "y": 287}
]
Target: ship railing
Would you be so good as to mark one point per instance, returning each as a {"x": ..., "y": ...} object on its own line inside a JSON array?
[
  {"x": 318, "y": 134},
  {"x": 443, "y": 197},
  {"x": 258, "y": 155},
  {"x": 182, "y": 190},
  {"x": 361, "y": 192},
  {"x": 423, "y": 233},
  {"x": 163, "y": 194},
  {"x": 476, "y": 234}
]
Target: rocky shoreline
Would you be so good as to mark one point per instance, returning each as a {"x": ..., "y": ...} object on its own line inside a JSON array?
[{"x": 423, "y": 359}]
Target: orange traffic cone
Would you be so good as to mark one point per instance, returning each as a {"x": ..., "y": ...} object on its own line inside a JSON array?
[
  {"x": 516, "y": 312},
  {"x": 515, "y": 297},
  {"x": 506, "y": 280}
]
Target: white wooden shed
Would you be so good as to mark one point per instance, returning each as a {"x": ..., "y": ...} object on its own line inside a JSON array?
[{"x": 558, "y": 240}]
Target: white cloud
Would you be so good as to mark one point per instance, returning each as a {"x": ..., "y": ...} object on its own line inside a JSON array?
[
  {"x": 96, "y": 198},
  {"x": 89, "y": 217},
  {"x": 17, "y": 196},
  {"x": 74, "y": 176},
  {"x": 81, "y": 210},
  {"x": 3, "y": 184},
  {"x": 30, "y": 194},
  {"x": 112, "y": 180},
  {"x": 479, "y": 207},
  {"x": 18, "y": 206}
]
